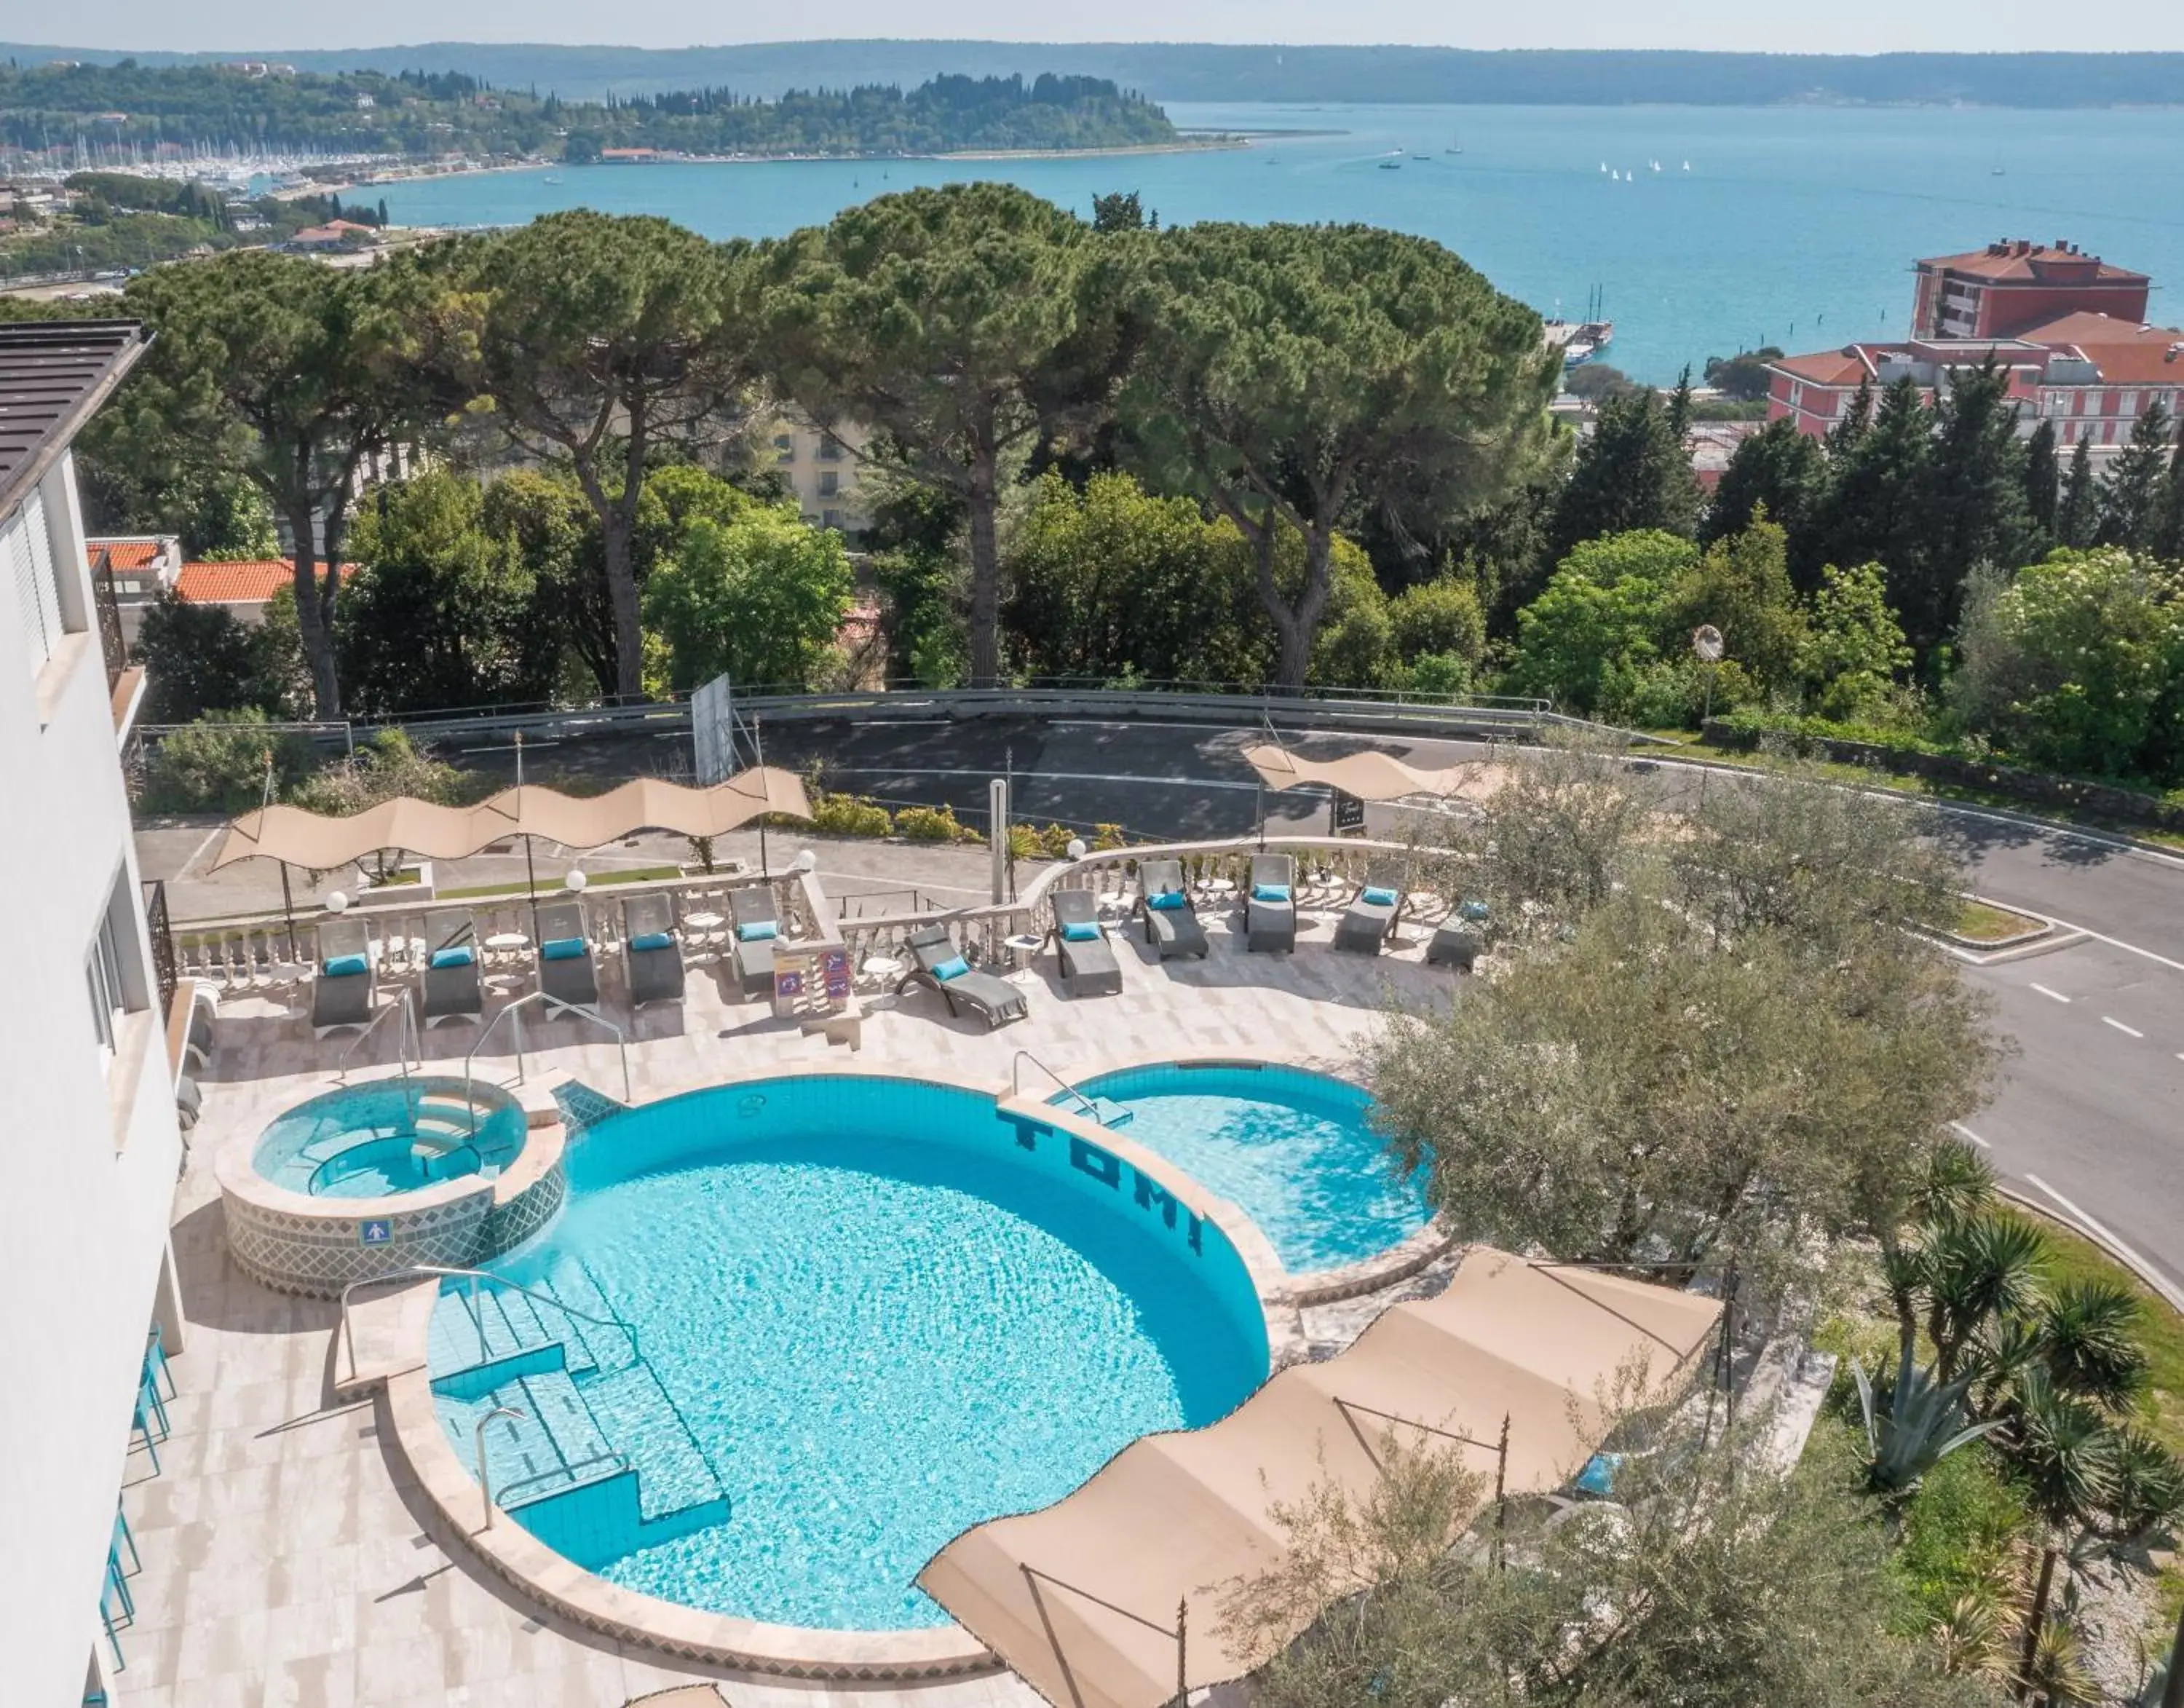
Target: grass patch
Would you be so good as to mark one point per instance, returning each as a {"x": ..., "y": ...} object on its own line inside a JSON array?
[{"x": 1978, "y": 922}]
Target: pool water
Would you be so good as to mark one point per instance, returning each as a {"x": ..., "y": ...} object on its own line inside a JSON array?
[
  {"x": 390, "y": 1137},
  {"x": 884, "y": 1320},
  {"x": 1293, "y": 1149}
]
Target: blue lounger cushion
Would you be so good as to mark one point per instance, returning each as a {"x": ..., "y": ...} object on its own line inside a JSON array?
[
  {"x": 653, "y": 940},
  {"x": 954, "y": 967},
  {"x": 758, "y": 931},
  {"x": 456, "y": 955},
  {"x": 1376, "y": 896},
  {"x": 347, "y": 966},
  {"x": 1167, "y": 901},
  {"x": 1083, "y": 931},
  {"x": 1270, "y": 892},
  {"x": 563, "y": 949}
]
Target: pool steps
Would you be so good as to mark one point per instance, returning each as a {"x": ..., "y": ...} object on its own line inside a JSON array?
[{"x": 602, "y": 1463}]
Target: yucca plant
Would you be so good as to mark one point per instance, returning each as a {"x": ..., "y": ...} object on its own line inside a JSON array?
[
  {"x": 2146, "y": 1486},
  {"x": 2059, "y": 1676},
  {"x": 2088, "y": 1341},
  {"x": 1911, "y": 1427},
  {"x": 1974, "y": 1636},
  {"x": 2066, "y": 1452},
  {"x": 1999, "y": 1357},
  {"x": 1976, "y": 1271},
  {"x": 1958, "y": 1186}
]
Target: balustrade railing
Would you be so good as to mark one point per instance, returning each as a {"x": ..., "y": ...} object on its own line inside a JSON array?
[
  {"x": 166, "y": 972},
  {"x": 111, "y": 643}
]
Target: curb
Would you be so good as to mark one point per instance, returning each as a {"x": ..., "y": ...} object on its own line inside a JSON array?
[{"x": 2159, "y": 1285}]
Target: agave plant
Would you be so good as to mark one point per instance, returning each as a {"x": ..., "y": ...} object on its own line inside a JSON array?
[
  {"x": 1917, "y": 1424},
  {"x": 2088, "y": 1336}
]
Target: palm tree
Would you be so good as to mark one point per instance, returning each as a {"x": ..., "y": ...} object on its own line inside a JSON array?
[
  {"x": 2146, "y": 1490},
  {"x": 2066, "y": 1453},
  {"x": 1976, "y": 1270},
  {"x": 2087, "y": 1334},
  {"x": 1998, "y": 1359},
  {"x": 1960, "y": 1184}
]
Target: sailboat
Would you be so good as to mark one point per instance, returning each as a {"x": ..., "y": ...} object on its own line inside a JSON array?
[{"x": 1455, "y": 147}]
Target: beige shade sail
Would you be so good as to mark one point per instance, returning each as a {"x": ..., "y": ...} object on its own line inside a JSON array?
[
  {"x": 1370, "y": 776},
  {"x": 1081, "y": 1599},
  {"x": 291, "y": 834}
]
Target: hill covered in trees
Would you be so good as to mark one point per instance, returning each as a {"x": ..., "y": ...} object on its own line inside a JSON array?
[
  {"x": 131, "y": 107},
  {"x": 1211, "y": 71}
]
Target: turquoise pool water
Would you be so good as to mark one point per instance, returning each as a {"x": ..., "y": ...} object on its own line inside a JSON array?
[
  {"x": 389, "y": 1136},
  {"x": 877, "y": 1311},
  {"x": 1292, "y": 1148}
]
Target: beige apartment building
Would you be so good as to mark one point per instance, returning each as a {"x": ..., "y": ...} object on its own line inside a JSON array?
[{"x": 821, "y": 469}]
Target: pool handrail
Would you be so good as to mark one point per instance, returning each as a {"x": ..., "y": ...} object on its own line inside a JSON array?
[
  {"x": 406, "y": 1041},
  {"x": 1016, "y": 1083},
  {"x": 621, "y": 1042},
  {"x": 419, "y": 1271}
]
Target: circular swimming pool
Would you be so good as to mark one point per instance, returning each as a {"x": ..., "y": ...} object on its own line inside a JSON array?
[
  {"x": 391, "y": 1136},
  {"x": 1295, "y": 1150},
  {"x": 831, "y": 1321}
]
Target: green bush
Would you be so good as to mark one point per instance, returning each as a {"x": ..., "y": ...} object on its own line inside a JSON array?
[
  {"x": 932, "y": 824},
  {"x": 1958, "y": 1530},
  {"x": 217, "y": 764},
  {"x": 850, "y": 815},
  {"x": 1438, "y": 675}
]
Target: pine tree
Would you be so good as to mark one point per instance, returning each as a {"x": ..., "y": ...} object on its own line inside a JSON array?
[
  {"x": 2130, "y": 496},
  {"x": 1633, "y": 472},
  {"x": 2077, "y": 511},
  {"x": 1679, "y": 407},
  {"x": 1973, "y": 509},
  {"x": 1782, "y": 469},
  {"x": 2043, "y": 481},
  {"x": 1845, "y": 433},
  {"x": 1873, "y": 510}
]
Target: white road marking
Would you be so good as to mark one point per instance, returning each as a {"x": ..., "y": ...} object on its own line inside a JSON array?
[
  {"x": 2130, "y": 948},
  {"x": 1960, "y": 1128},
  {"x": 2128, "y": 1031},
  {"x": 2174, "y": 1294},
  {"x": 2057, "y": 995}
]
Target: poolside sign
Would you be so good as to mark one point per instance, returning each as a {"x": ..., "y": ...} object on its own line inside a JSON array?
[
  {"x": 377, "y": 1232},
  {"x": 1347, "y": 813}
]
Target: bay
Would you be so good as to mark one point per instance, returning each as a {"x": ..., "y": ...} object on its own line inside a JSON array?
[{"x": 1794, "y": 225}]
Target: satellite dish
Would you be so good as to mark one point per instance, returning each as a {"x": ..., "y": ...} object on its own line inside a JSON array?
[{"x": 1708, "y": 644}]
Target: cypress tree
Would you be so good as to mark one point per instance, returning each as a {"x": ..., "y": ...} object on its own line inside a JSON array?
[
  {"x": 1872, "y": 511},
  {"x": 1845, "y": 433},
  {"x": 2130, "y": 496},
  {"x": 1782, "y": 469},
  {"x": 1632, "y": 472},
  {"x": 2043, "y": 481},
  {"x": 2077, "y": 511},
  {"x": 1973, "y": 500},
  {"x": 2168, "y": 541}
]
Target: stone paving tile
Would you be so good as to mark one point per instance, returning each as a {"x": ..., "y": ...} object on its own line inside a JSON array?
[{"x": 287, "y": 1563}]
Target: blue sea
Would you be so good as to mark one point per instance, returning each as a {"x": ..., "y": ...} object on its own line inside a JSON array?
[{"x": 1792, "y": 225}]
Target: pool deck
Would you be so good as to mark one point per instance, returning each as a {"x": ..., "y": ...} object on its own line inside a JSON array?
[{"x": 290, "y": 1559}]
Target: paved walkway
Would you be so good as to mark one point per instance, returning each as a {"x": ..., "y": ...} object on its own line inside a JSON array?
[{"x": 288, "y": 1561}]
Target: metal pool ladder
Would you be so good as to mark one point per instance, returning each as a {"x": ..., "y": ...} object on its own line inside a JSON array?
[
  {"x": 1016, "y": 1083},
  {"x": 622, "y": 1041}
]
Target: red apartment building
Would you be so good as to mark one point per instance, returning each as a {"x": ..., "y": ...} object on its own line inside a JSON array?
[{"x": 2068, "y": 327}]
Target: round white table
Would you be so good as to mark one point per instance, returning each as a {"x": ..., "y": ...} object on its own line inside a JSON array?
[
  {"x": 884, "y": 967},
  {"x": 1025, "y": 946}
]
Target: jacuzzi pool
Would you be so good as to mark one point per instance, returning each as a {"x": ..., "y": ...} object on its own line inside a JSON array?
[
  {"x": 1293, "y": 1149},
  {"x": 829, "y": 1322},
  {"x": 391, "y": 1136}
]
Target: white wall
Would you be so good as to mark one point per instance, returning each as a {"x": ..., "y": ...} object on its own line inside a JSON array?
[{"x": 88, "y": 1156}]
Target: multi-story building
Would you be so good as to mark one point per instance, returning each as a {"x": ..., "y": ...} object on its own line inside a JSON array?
[
  {"x": 90, "y": 1148},
  {"x": 2009, "y": 287},
  {"x": 139, "y": 567},
  {"x": 2068, "y": 327},
  {"x": 820, "y": 468}
]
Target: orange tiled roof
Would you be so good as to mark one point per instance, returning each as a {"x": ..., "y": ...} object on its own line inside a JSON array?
[
  {"x": 251, "y": 582},
  {"x": 124, "y": 554},
  {"x": 2026, "y": 262},
  {"x": 1824, "y": 367}
]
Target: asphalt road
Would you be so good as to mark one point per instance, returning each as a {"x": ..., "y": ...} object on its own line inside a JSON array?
[{"x": 2088, "y": 1117}]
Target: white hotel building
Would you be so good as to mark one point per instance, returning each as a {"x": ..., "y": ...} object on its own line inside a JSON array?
[{"x": 89, "y": 1151}]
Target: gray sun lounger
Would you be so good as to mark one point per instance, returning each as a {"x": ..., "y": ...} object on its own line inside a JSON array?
[
  {"x": 753, "y": 905},
  {"x": 650, "y": 953},
  {"x": 995, "y": 999},
  {"x": 1270, "y": 927},
  {"x": 1366, "y": 925},
  {"x": 456, "y": 989},
  {"x": 1455, "y": 944},
  {"x": 345, "y": 998},
  {"x": 570, "y": 979},
  {"x": 1088, "y": 966},
  {"x": 1172, "y": 930}
]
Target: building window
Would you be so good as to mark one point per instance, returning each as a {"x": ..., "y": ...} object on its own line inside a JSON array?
[
  {"x": 2130, "y": 405},
  {"x": 830, "y": 518},
  {"x": 113, "y": 967},
  {"x": 784, "y": 447},
  {"x": 830, "y": 447},
  {"x": 26, "y": 548},
  {"x": 830, "y": 483},
  {"x": 1796, "y": 394}
]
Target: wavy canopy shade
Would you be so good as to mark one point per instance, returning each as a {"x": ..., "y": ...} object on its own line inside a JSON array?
[
  {"x": 1370, "y": 775},
  {"x": 298, "y": 838},
  {"x": 1081, "y": 1599}
]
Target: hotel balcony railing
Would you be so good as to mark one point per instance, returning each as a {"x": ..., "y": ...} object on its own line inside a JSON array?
[
  {"x": 108, "y": 607},
  {"x": 165, "y": 970}
]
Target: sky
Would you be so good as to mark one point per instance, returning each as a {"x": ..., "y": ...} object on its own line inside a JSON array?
[{"x": 1837, "y": 26}]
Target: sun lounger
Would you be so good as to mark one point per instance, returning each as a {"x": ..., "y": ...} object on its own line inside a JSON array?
[
  {"x": 346, "y": 990},
  {"x": 757, "y": 927},
  {"x": 1171, "y": 926},
  {"x": 941, "y": 967},
  {"x": 1371, "y": 916},
  {"x": 450, "y": 985},
  {"x": 1270, "y": 905},
  {"x": 650, "y": 953},
  {"x": 1455, "y": 944},
  {"x": 1088, "y": 966},
  {"x": 566, "y": 972}
]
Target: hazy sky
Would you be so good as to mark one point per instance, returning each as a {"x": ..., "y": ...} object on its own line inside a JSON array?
[{"x": 1852, "y": 26}]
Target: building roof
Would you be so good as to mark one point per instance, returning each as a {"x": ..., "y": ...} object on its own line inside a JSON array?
[
  {"x": 53, "y": 375},
  {"x": 128, "y": 551},
  {"x": 2019, "y": 261},
  {"x": 1843, "y": 367},
  {"x": 250, "y": 581}
]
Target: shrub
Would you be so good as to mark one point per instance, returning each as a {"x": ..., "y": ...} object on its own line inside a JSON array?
[
  {"x": 932, "y": 824},
  {"x": 388, "y": 765},
  {"x": 850, "y": 815},
  {"x": 1437, "y": 619},
  {"x": 1438, "y": 675},
  {"x": 217, "y": 764}
]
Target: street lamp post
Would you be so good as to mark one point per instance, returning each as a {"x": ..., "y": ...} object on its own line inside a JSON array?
[{"x": 1709, "y": 648}]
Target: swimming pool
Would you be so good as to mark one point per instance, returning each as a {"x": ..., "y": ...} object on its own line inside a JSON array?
[
  {"x": 391, "y": 1136},
  {"x": 1292, "y": 1148},
  {"x": 863, "y": 1314}
]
